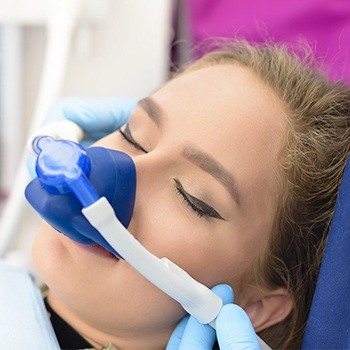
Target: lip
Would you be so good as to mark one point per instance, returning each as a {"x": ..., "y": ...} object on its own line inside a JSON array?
[{"x": 97, "y": 250}]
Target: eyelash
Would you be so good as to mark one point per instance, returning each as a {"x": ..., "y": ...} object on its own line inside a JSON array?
[
  {"x": 197, "y": 210},
  {"x": 209, "y": 213},
  {"x": 130, "y": 141},
  {"x": 202, "y": 209}
]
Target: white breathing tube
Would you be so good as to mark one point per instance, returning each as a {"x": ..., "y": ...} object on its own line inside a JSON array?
[{"x": 194, "y": 297}]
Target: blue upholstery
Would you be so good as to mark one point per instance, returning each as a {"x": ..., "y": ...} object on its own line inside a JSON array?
[{"x": 328, "y": 325}]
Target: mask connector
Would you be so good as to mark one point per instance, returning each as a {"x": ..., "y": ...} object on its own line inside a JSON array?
[{"x": 62, "y": 167}]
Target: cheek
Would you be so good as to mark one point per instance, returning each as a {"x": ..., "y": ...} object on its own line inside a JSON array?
[
  {"x": 46, "y": 251},
  {"x": 210, "y": 253}
]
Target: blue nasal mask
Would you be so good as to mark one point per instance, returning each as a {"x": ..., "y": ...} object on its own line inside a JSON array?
[{"x": 83, "y": 176}]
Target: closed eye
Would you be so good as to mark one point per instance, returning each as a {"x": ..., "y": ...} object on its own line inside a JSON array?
[
  {"x": 126, "y": 134},
  {"x": 201, "y": 208},
  {"x": 198, "y": 206}
]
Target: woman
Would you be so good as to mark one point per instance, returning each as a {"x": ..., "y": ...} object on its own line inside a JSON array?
[{"x": 238, "y": 160}]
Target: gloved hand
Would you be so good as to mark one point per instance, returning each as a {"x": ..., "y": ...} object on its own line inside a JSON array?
[
  {"x": 234, "y": 330},
  {"x": 97, "y": 117}
]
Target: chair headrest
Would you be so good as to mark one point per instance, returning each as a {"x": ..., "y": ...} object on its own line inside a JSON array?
[{"x": 328, "y": 325}]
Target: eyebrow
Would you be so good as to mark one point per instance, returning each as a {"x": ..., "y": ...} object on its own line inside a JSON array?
[
  {"x": 206, "y": 162},
  {"x": 153, "y": 110},
  {"x": 196, "y": 156}
]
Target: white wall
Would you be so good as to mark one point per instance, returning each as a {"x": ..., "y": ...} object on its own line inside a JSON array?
[
  {"x": 129, "y": 53},
  {"x": 125, "y": 54}
]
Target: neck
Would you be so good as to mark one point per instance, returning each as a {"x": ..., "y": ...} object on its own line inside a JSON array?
[{"x": 99, "y": 338}]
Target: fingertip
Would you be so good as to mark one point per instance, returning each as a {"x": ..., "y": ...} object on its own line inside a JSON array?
[
  {"x": 233, "y": 315},
  {"x": 225, "y": 292},
  {"x": 235, "y": 330},
  {"x": 182, "y": 324},
  {"x": 73, "y": 113},
  {"x": 176, "y": 336},
  {"x": 197, "y": 335}
]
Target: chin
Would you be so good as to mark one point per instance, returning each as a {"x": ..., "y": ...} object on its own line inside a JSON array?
[{"x": 69, "y": 267}]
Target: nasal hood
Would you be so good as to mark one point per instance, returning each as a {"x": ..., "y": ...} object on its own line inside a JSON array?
[{"x": 112, "y": 175}]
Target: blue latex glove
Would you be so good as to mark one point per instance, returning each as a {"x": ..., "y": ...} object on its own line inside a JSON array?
[
  {"x": 234, "y": 330},
  {"x": 97, "y": 117}
]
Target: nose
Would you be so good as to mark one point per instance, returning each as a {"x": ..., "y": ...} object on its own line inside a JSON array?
[
  {"x": 153, "y": 171},
  {"x": 150, "y": 166}
]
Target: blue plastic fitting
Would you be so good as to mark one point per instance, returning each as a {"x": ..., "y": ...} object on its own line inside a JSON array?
[{"x": 62, "y": 167}]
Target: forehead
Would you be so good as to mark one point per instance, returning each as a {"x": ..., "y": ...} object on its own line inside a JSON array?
[
  {"x": 223, "y": 94},
  {"x": 230, "y": 113},
  {"x": 228, "y": 102}
]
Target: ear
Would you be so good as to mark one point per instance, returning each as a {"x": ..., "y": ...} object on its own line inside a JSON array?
[{"x": 270, "y": 308}]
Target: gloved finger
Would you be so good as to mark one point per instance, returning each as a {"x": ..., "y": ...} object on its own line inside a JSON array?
[
  {"x": 234, "y": 329},
  {"x": 99, "y": 117},
  {"x": 199, "y": 336},
  {"x": 225, "y": 292},
  {"x": 176, "y": 336},
  {"x": 55, "y": 112}
]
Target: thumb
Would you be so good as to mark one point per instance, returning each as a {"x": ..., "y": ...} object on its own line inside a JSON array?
[
  {"x": 99, "y": 117},
  {"x": 225, "y": 292},
  {"x": 197, "y": 336}
]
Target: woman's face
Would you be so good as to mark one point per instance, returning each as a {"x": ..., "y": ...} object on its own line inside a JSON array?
[{"x": 206, "y": 151}]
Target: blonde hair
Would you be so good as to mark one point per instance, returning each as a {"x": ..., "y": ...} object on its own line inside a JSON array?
[{"x": 312, "y": 162}]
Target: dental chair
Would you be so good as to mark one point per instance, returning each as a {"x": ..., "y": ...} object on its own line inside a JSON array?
[
  {"x": 23, "y": 320},
  {"x": 328, "y": 325}
]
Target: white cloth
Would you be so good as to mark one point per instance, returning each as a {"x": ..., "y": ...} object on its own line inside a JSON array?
[{"x": 24, "y": 323}]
